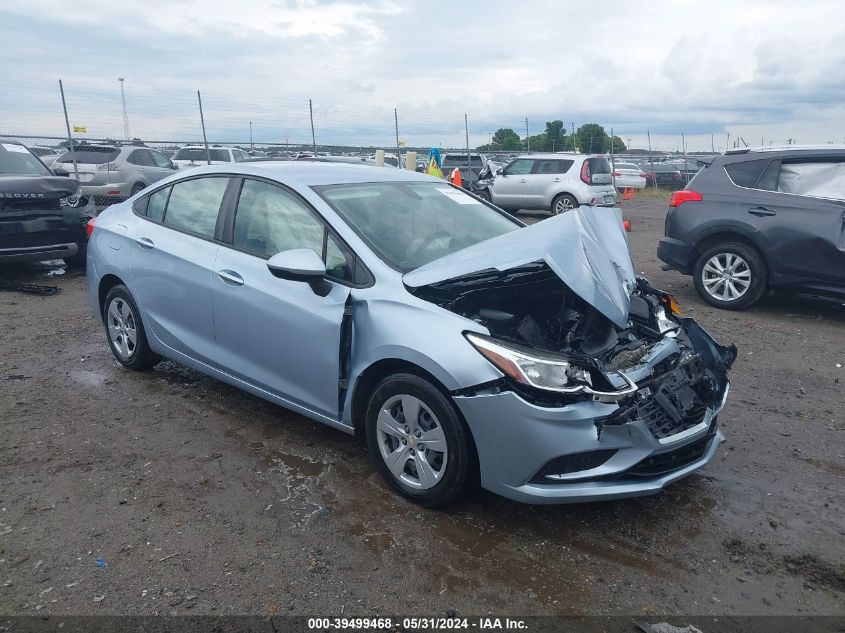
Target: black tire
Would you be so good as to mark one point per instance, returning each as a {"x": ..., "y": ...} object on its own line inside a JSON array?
[
  {"x": 758, "y": 276},
  {"x": 137, "y": 188},
  {"x": 139, "y": 357},
  {"x": 461, "y": 465},
  {"x": 485, "y": 195},
  {"x": 560, "y": 200}
]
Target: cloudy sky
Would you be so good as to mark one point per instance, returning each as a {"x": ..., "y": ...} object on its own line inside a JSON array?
[{"x": 766, "y": 69}]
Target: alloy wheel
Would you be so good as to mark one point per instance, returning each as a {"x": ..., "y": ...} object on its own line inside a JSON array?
[
  {"x": 726, "y": 276},
  {"x": 122, "y": 327},
  {"x": 562, "y": 205},
  {"x": 412, "y": 442}
]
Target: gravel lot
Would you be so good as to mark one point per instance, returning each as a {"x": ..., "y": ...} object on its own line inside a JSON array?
[{"x": 169, "y": 492}]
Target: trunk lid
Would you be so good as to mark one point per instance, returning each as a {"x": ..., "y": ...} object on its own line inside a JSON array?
[{"x": 586, "y": 248}]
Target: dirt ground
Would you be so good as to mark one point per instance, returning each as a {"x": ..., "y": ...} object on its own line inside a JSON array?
[{"x": 169, "y": 492}]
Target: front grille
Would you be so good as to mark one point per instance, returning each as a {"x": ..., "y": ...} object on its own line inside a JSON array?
[
  {"x": 572, "y": 463},
  {"x": 662, "y": 422}
]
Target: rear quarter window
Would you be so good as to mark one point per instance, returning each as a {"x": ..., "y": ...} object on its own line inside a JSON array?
[{"x": 746, "y": 173}]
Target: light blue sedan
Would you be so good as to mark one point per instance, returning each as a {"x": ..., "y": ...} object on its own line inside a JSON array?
[{"x": 467, "y": 348}]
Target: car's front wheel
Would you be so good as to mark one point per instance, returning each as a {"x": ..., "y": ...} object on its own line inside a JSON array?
[
  {"x": 125, "y": 331},
  {"x": 731, "y": 275},
  {"x": 418, "y": 441}
]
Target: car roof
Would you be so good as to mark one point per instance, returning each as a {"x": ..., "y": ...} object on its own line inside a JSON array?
[
  {"x": 558, "y": 156},
  {"x": 314, "y": 173}
]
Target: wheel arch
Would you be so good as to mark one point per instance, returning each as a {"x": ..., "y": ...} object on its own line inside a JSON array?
[
  {"x": 727, "y": 235},
  {"x": 107, "y": 282},
  {"x": 377, "y": 371}
]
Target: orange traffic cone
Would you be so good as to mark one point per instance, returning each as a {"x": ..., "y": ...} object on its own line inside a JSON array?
[
  {"x": 633, "y": 194},
  {"x": 455, "y": 177},
  {"x": 627, "y": 225},
  {"x": 624, "y": 193}
]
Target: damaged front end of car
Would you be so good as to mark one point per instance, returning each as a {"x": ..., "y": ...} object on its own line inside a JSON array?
[{"x": 606, "y": 391}]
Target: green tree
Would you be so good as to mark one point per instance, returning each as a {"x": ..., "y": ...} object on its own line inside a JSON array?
[
  {"x": 506, "y": 139},
  {"x": 617, "y": 146},
  {"x": 591, "y": 139},
  {"x": 555, "y": 136}
]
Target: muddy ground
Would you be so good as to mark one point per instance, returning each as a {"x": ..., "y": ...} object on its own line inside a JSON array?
[{"x": 160, "y": 492}]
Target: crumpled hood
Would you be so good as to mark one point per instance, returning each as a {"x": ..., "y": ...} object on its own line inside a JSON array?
[
  {"x": 586, "y": 248},
  {"x": 23, "y": 187}
]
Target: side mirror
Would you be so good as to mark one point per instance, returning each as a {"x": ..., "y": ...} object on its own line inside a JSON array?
[
  {"x": 301, "y": 264},
  {"x": 500, "y": 172}
]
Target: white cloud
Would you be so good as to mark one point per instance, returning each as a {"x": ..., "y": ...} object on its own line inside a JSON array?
[{"x": 757, "y": 68}]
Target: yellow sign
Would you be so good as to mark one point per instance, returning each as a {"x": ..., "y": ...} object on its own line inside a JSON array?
[
  {"x": 401, "y": 143},
  {"x": 80, "y": 128}
]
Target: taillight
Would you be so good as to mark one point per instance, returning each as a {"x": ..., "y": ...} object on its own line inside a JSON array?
[
  {"x": 616, "y": 174},
  {"x": 585, "y": 172},
  {"x": 684, "y": 195},
  {"x": 89, "y": 228},
  {"x": 676, "y": 175}
]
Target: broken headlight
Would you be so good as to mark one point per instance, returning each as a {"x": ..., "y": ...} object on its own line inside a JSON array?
[{"x": 532, "y": 367}]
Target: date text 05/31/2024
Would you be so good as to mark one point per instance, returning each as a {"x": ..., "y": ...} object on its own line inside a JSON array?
[{"x": 432, "y": 623}]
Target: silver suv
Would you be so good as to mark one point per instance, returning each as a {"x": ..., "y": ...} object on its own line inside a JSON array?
[
  {"x": 554, "y": 182},
  {"x": 110, "y": 173}
]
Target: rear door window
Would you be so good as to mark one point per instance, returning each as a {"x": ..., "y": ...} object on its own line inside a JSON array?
[
  {"x": 194, "y": 205},
  {"x": 746, "y": 173},
  {"x": 815, "y": 178},
  {"x": 140, "y": 157}
]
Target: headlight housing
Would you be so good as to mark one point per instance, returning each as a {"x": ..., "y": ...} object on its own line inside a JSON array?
[{"x": 541, "y": 370}]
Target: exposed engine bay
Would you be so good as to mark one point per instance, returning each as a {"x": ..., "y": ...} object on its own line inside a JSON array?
[{"x": 679, "y": 370}]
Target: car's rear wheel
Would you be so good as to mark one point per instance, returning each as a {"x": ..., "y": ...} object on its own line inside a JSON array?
[
  {"x": 125, "y": 331},
  {"x": 419, "y": 441},
  {"x": 731, "y": 275},
  {"x": 563, "y": 203},
  {"x": 137, "y": 188}
]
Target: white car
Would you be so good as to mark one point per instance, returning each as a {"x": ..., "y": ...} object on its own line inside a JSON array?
[
  {"x": 196, "y": 155},
  {"x": 628, "y": 175},
  {"x": 554, "y": 182}
]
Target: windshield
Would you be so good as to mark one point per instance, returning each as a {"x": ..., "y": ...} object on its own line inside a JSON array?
[
  {"x": 16, "y": 159},
  {"x": 409, "y": 224},
  {"x": 91, "y": 155},
  {"x": 198, "y": 154}
]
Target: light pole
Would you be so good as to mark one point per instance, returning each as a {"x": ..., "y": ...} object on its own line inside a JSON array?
[
  {"x": 251, "y": 146},
  {"x": 125, "y": 115}
]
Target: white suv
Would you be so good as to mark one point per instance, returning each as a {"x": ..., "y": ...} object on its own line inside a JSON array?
[
  {"x": 556, "y": 182},
  {"x": 195, "y": 156}
]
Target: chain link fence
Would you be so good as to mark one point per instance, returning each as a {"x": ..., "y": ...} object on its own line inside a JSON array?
[{"x": 126, "y": 139}]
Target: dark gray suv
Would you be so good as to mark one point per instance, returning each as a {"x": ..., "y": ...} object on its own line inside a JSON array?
[{"x": 752, "y": 220}]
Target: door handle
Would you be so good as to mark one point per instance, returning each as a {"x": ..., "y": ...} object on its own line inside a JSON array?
[
  {"x": 230, "y": 277},
  {"x": 761, "y": 211},
  {"x": 522, "y": 180},
  {"x": 145, "y": 242},
  {"x": 557, "y": 180}
]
